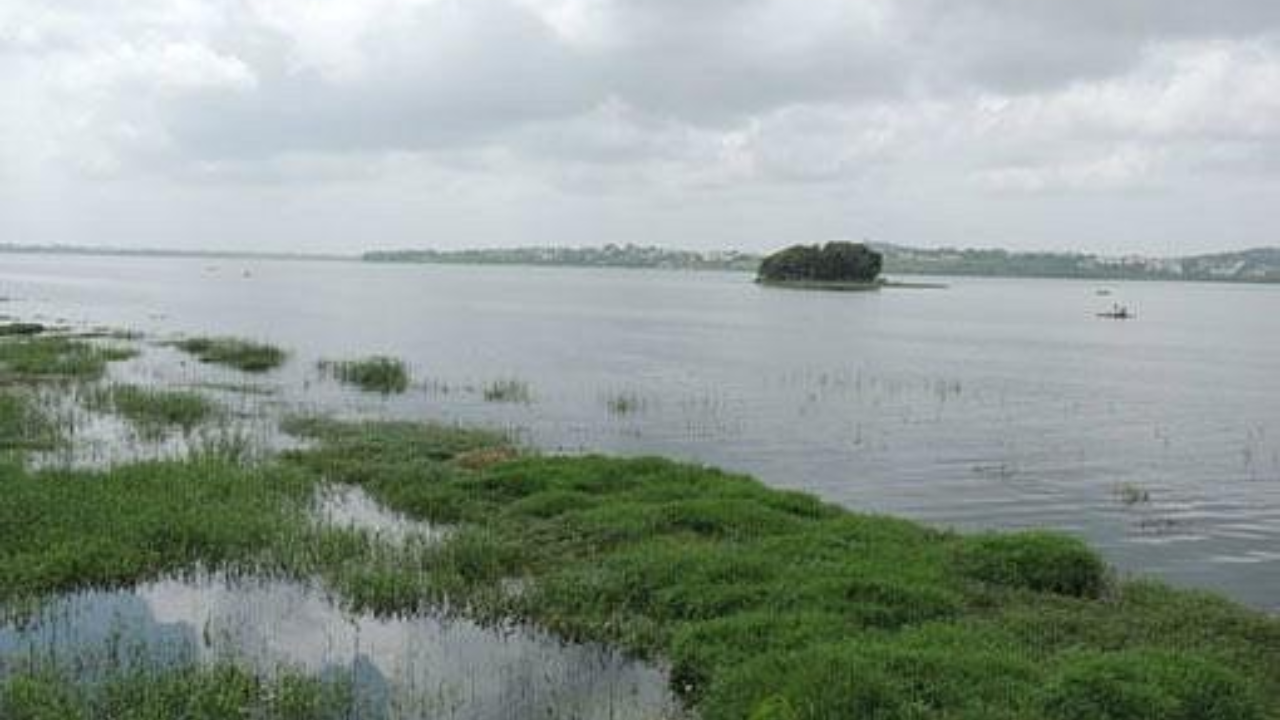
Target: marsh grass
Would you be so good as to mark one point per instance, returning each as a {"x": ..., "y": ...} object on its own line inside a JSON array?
[
  {"x": 508, "y": 390},
  {"x": 152, "y": 411},
  {"x": 56, "y": 358},
  {"x": 241, "y": 354},
  {"x": 380, "y": 374},
  {"x": 23, "y": 424},
  {"x": 20, "y": 328},
  {"x": 762, "y": 600},
  {"x": 222, "y": 691},
  {"x": 622, "y": 404}
]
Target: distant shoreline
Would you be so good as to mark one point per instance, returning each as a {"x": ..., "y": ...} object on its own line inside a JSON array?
[{"x": 1250, "y": 267}]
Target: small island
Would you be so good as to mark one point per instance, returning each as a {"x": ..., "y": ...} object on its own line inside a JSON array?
[{"x": 833, "y": 266}]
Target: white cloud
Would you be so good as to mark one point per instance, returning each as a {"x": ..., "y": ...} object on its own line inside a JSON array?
[{"x": 912, "y": 120}]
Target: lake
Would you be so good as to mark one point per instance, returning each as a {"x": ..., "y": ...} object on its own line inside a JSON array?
[{"x": 993, "y": 403}]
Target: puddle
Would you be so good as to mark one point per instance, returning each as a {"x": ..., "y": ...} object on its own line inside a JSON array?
[
  {"x": 349, "y": 507},
  {"x": 400, "y": 668}
]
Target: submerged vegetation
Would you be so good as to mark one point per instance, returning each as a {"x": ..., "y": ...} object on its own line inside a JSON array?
[
  {"x": 509, "y": 390},
  {"x": 243, "y": 355},
  {"x": 379, "y": 373},
  {"x": 764, "y": 603},
  {"x": 153, "y": 411}
]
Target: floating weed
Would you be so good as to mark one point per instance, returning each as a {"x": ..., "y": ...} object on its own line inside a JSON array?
[
  {"x": 241, "y": 354},
  {"x": 379, "y": 373}
]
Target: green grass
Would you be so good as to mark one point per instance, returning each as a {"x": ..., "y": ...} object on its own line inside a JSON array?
[
  {"x": 62, "y": 530},
  {"x": 773, "y": 604},
  {"x": 23, "y": 426},
  {"x": 56, "y": 358},
  {"x": 219, "y": 692},
  {"x": 379, "y": 374},
  {"x": 243, "y": 355},
  {"x": 510, "y": 390},
  {"x": 766, "y": 603},
  {"x": 20, "y": 328},
  {"x": 153, "y": 412}
]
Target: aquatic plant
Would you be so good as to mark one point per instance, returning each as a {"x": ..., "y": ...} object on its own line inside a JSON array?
[
  {"x": 223, "y": 691},
  {"x": 241, "y": 354},
  {"x": 21, "y": 328},
  {"x": 153, "y": 411},
  {"x": 765, "y": 602},
  {"x": 510, "y": 390},
  {"x": 22, "y": 424},
  {"x": 379, "y": 373},
  {"x": 624, "y": 403},
  {"x": 57, "y": 358}
]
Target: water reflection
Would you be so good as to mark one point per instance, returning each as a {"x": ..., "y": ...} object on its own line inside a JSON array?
[{"x": 400, "y": 667}]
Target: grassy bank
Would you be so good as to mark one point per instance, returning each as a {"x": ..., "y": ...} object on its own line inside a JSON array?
[
  {"x": 773, "y": 604},
  {"x": 765, "y": 603}
]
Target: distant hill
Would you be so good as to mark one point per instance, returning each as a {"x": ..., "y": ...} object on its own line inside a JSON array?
[
  {"x": 623, "y": 256},
  {"x": 1259, "y": 265},
  {"x": 91, "y": 250}
]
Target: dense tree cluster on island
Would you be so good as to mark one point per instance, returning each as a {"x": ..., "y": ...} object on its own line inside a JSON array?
[{"x": 835, "y": 262}]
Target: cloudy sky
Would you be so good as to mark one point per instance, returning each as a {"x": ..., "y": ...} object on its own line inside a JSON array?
[{"x": 340, "y": 125}]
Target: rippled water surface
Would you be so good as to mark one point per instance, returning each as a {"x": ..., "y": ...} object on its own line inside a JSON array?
[{"x": 993, "y": 403}]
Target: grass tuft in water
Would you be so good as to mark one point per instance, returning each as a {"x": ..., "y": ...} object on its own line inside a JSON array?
[
  {"x": 219, "y": 692},
  {"x": 152, "y": 411},
  {"x": 509, "y": 390},
  {"x": 56, "y": 358},
  {"x": 243, "y": 355},
  {"x": 379, "y": 373}
]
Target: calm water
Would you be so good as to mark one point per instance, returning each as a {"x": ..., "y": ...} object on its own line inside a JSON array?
[
  {"x": 398, "y": 668},
  {"x": 991, "y": 404}
]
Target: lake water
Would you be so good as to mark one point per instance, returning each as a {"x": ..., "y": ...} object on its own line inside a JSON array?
[{"x": 990, "y": 404}]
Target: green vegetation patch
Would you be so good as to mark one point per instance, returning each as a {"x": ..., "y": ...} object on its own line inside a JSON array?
[
  {"x": 64, "y": 530},
  {"x": 1040, "y": 561},
  {"x": 766, "y": 603},
  {"x": 508, "y": 390},
  {"x": 154, "y": 411},
  {"x": 219, "y": 692},
  {"x": 20, "y": 328},
  {"x": 23, "y": 425},
  {"x": 773, "y": 604},
  {"x": 243, "y": 355},
  {"x": 379, "y": 373},
  {"x": 56, "y": 358}
]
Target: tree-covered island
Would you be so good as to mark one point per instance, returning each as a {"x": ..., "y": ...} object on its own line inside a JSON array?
[{"x": 833, "y": 266}]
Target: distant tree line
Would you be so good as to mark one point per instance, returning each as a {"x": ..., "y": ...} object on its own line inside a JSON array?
[{"x": 833, "y": 262}]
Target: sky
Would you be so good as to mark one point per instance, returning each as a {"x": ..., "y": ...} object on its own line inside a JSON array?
[{"x": 1110, "y": 126}]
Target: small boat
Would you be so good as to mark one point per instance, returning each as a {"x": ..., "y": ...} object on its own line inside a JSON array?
[
  {"x": 1102, "y": 292},
  {"x": 1117, "y": 312}
]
